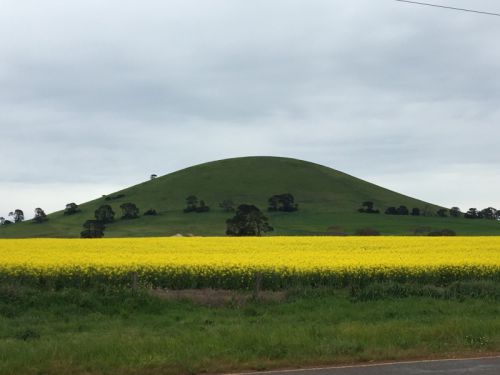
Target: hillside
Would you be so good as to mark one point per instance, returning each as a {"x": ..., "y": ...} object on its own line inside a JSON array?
[{"x": 326, "y": 198}]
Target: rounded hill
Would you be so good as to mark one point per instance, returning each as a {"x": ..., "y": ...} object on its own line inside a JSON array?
[{"x": 326, "y": 199}]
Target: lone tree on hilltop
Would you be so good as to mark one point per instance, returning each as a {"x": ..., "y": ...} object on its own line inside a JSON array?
[
  {"x": 282, "y": 202},
  {"x": 17, "y": 215},
  {"x": 248, "y": 221},
  {"x": 129, "y": 210},
  {"x": 40, "y": 215},
  {"x": 104, "y": 214},
  {"x": 93, "y": 229},
  {"x": 455, "y": 212},
  {"x": 71, "y": 208}
]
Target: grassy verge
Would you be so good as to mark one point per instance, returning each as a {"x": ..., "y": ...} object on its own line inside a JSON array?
[{"x": 104, "y": 331}]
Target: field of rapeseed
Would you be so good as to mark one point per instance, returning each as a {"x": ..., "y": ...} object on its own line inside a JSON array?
[{"x": 233, "y": 262}]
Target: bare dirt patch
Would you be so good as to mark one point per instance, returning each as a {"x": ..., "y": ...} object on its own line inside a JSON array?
[{"x": 219, "y": 297}]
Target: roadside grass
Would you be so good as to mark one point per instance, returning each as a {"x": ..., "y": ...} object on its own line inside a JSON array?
[{"x": 120, "y": 331}]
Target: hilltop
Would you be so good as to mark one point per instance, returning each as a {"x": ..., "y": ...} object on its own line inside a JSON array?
[{"x": 326, "y": 198}]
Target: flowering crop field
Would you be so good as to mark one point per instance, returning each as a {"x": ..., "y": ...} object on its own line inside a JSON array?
[{"x": 233, "y": 263}]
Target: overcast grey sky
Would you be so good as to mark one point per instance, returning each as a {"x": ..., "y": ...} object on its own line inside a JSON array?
[{"x": 97, "y": 95}]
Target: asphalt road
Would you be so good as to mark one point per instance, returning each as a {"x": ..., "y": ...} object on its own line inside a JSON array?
[{"x": 476, "y": 366}]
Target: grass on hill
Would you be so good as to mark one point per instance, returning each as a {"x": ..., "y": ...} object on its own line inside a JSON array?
[{"x": 326, "y": 198}]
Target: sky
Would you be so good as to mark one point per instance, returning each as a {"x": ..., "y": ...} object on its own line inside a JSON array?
[{"x": 96, "y": 96}]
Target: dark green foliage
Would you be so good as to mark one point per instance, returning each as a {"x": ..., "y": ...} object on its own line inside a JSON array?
[
  {"x": 401, "y": 210},
  {"x": 40, "y": 216},
  {"x": 442, "y": 232},
  {"x": 129, "y": 211},
  {"x": 193, "y": 205},
  {"x": 442, "y": 212},
  {"x": 71, "y": 208},
  {"x": 17, "y": 215},
  {"x": 282, "y": 202},
  {"x": 455, "y": 212},
  {"x": 490, "y": 213},
  {"x": 367, "y": 232},
  {"x": 473, "y": 213},
  {"x": 391, "y": 211},
  {"x": 151, "y": 212},
  {"x": 93, "y": 229},
  {"x": 415, "y": 211},
  {"x": 367, "y": 208},
  {"x": 202, "y": 207},
  {"x": 248, "y": 221},
  {"x": 105, "y": 214},
  {"x": 227, "y": 205},
  {"x": 113, "y": 197}
]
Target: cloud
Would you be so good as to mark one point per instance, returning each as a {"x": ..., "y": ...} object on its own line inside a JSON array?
[{"x": 103, "y": 94}]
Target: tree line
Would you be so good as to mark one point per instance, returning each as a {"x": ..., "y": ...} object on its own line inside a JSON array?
[{"x": 490, "y": 213}]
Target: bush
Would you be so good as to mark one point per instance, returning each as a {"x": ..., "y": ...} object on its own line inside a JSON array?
[
  {"x": 367, "y": 232},
  {"x": 336, "y": 230},
  {"x": 442, "y": 232},
  {"x": 151, "y": 212}
]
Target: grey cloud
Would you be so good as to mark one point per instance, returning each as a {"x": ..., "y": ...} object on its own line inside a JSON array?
[{"x": 104, "y": 92}]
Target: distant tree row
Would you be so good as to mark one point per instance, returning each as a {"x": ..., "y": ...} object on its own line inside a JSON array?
[{"x": 473, "y": 213}]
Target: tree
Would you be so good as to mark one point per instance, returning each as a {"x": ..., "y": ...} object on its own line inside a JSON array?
[
  {"x": 402, "y": 210},
  {"x": 367, "y": 208},
  {"x": 391, "y": 211},
  {"x": 191, "y": 203},
  {"x": 202, "y": 207},
  {"x": 227, "y": 205},
  {"x": 93, "y": 229},
  {"x": 455, "y": 212},
  {"x": 248, "y": 221},
  {"x": 40, "y": 215},
  {"x": 282, "y": 202},
  {"x": 442, "y": 212},
  {"x": 151, "y": 212},
  {"x": 415, "y": 211},
  {"x": 490, "y": 213},
  {"x": 2, "y": 220},
  {"x": 17, "y": 215},
  {"x": 473, "y": 213},
  {"x": 104, "y": 214},
  {"x": 129, "y": 210},
  {"x": 71, "y": 208}
]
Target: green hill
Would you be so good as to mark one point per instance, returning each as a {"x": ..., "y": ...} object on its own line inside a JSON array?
[{"x": 326, "y": 198}]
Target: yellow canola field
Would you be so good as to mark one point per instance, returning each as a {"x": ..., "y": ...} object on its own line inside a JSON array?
[{"x": 231, "y": 262}]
